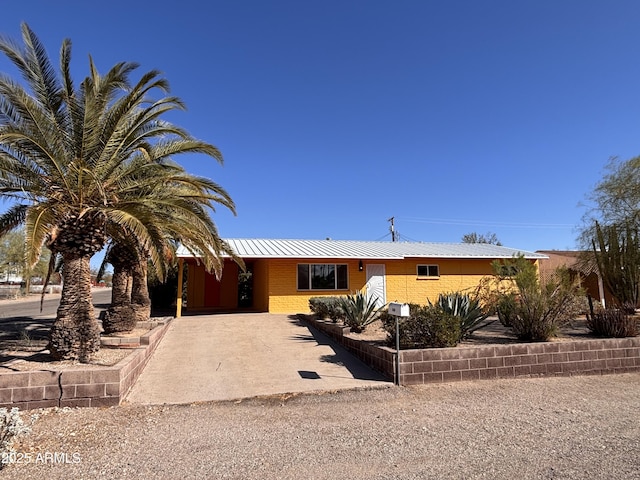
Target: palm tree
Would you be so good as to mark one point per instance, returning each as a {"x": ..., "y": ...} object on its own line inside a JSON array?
[
  {"x": 67, "y": 156},
  {"x": 172, "y": 212}
]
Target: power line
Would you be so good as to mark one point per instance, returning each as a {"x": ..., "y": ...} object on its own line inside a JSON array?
[
  {"x": 405, "y": 238},
  {"x": 482, "y": 223},
  {"x": 383, "y": 237}
]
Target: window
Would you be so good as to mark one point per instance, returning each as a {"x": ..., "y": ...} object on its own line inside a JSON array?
[
  {"x": 428, "y": 271},
  {"x": 321, "y": 276}
]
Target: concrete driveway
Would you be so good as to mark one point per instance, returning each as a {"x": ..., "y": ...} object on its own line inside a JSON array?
[{"x": 232, "y": 356}]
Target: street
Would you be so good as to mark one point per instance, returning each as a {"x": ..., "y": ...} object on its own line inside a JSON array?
[{"x": 10, "y": 310}]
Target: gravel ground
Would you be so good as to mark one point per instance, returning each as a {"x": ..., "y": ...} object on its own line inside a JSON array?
[{"x": 557, "y": 428}]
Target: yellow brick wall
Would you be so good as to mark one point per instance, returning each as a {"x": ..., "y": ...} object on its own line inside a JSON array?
[
  {"x": 402, "y": 282},
  {"x": 275, "y": 282},
  {"x": 284, "y": 296}
]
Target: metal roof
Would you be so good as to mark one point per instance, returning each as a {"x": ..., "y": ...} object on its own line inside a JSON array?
[{"x": 364, "y": 250}]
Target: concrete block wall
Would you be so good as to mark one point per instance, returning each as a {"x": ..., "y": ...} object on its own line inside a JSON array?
[
  {"x": 579, "y": 357},
  {"x": 81, "y": 387},
  {"x": 435, "y": 365},
  {"x": 379, "y": 358}
]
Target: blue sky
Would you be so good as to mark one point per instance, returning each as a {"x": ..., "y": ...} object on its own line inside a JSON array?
[{"x": 451, "y": 116}]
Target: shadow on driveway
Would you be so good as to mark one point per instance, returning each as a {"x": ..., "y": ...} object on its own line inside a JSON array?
[
  {"x": 340, "y": 355},
  {"x": 233, "y": 356}
]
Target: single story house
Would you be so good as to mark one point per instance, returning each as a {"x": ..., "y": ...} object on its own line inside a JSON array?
[{"x": 282, "y": 275}]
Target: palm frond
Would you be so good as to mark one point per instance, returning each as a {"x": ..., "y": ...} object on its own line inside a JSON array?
[
  {"x": 12, "y": 218},
  {"x": 40, "y": 222}
]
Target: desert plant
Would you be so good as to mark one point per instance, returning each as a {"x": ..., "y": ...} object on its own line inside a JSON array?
[
  {"x": 359, "y": 310},
  {"x": 497, "y": 293},
  {"x": 617, "y": 254},
  {"x": 389, "y": 321},
  {"x": 335, "y": 309},
  {"x": 612, "y": 323},
  {"x": 325, "y": 307},
  {"x": 466, "y": 309},
  {"x": 318, "y": 305},
  {"x": 11, "y": 427},
  {"x": 541, "y": 308},
  {"x": 426, "y": 327},
  {"x": 506, "y": 308}
]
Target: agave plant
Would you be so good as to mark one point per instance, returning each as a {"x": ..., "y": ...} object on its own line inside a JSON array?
[
  {"x": 467, "y": 309},
  {"x": 359, "y": 311}
]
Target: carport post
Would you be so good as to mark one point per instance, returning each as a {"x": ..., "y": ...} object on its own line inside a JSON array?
[{"x": 179, "y": 298}]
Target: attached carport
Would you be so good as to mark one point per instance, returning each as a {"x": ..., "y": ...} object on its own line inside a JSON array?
[{"x": 232, "y": 356}]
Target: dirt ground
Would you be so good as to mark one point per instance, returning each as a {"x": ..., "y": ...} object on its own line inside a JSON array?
[{"x": 535, "y": 428}]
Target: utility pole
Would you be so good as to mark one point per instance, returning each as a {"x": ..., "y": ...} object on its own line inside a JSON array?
[{"x": 392, "y": 229}]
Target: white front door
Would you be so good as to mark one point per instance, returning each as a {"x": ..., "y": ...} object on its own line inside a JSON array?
[{"x": 376, "y": 285}]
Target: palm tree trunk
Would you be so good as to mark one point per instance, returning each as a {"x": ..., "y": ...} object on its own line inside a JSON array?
[
  {"x": 75, "y": 333},
  {"x": 119, "y": 315},
  {"x": 140, "y": 300}
]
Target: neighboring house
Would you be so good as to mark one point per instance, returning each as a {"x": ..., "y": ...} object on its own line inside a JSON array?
[
  {"x": 581, "y": 264},
  {"x": 284, "y": 274},
  {"x": 10, "y": 278}
]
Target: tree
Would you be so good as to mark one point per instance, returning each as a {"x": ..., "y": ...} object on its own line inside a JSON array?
[
  {"x": 12, "y": 258},
  {"x": 616, "y": 198},
  {"x": 70, "y": 158},
  {"x": 614, "y": 201},
  {"x": 610, "y": 231},
  {"x": 617, "y": 253},
  {"x": 175, "y": 211},
  {"x": 474, "y": 237}
]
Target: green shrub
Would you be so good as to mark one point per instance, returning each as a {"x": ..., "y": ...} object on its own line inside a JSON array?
[
  {"x": 359, "y": 311},
  {"x": 612, "y": 323},
  {"x": 389, "y": 321},
  {"x": 325, "y": 307},
  {"x": 466, "y": 309},
  {"x": 318, "y": 306},
  {"x": 426, "y": 327}
]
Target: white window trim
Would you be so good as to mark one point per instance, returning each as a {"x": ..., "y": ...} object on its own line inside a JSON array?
[
  {"x": 428, "y": 265},
  {"x": 310, "y": 289}
]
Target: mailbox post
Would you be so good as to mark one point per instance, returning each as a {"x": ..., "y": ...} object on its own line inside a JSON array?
[{"x": 398, "y": 310}]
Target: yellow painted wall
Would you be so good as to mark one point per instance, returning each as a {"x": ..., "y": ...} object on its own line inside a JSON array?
[
  {"x": 275, "y": 282},
  {"x": 402, "y": 282},
  {"x": 284, "y": 296}
]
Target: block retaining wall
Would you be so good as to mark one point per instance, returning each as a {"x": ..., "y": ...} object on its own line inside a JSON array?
[
  {"x": 128, "y": 342},
  {"x": 572, "y": 357},
  {"x": 89, "y": 387}
]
